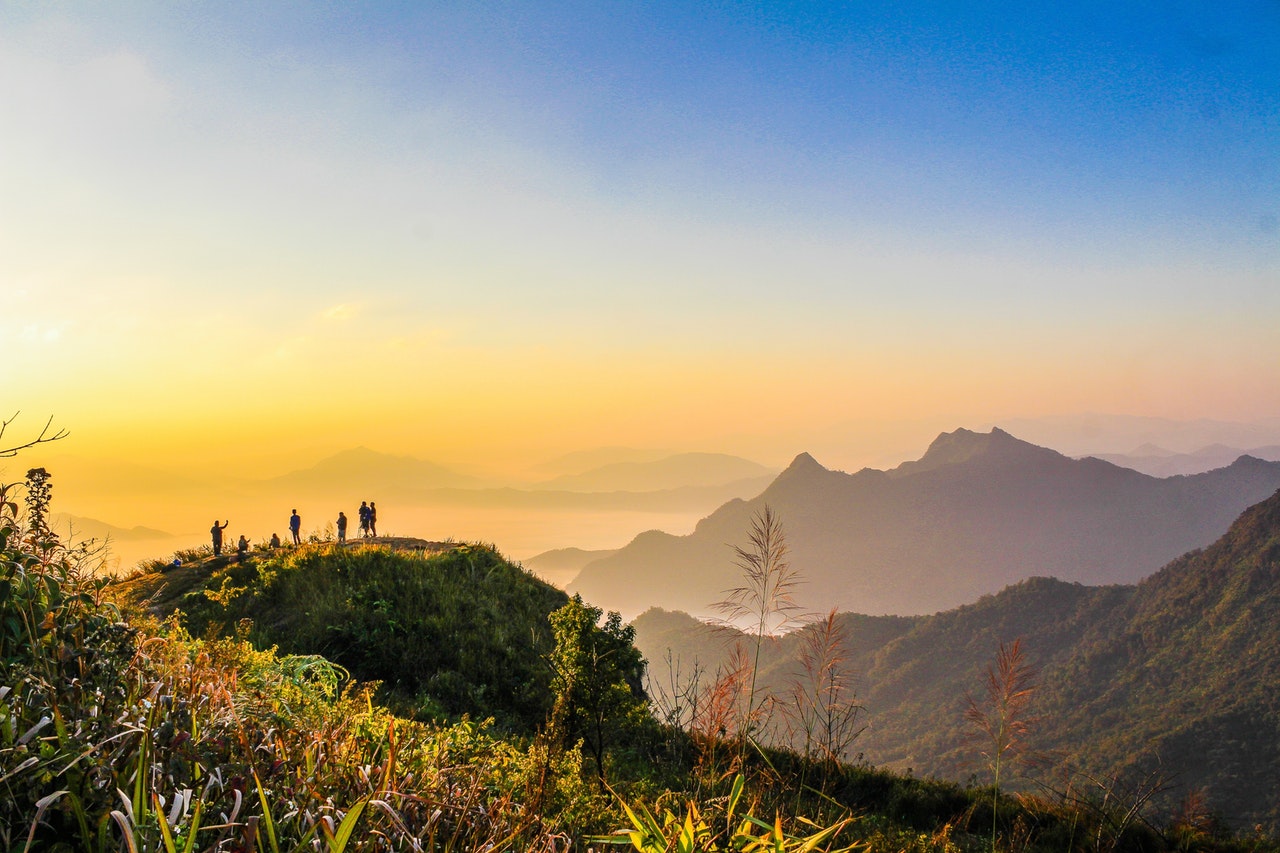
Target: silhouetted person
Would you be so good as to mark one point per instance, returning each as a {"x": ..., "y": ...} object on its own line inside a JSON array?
[
  {"x": 342, "y": 527},
  {"x": 216, "y": 533},
  {"x": 364, "y": 518},
  {"x": 275, "y": 540},
  {"x": 295, "y": 527},
  {"x": 242, "y": 549},
  {"x": 373, "y": 519}
]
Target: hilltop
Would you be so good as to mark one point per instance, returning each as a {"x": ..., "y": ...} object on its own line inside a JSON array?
[{"x": 448, "y": 629}]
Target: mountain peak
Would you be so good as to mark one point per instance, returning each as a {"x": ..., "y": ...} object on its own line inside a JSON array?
[
  {"x": 802, "y": 471},
  {"x": 962, "y": 445},
  {"x": 804, "y": 461}
]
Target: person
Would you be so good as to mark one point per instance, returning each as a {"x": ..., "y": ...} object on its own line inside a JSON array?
[
  {"x": 364, "y": 519},
  {"x": 275, "y": 540},
  {"x": 373, "y": 519},
  {"x": 342, "y": 527},
  {"x": 295, "y": 527},
  {"x": 216, "y": 533},
  {"x": 242, "y": 549}
]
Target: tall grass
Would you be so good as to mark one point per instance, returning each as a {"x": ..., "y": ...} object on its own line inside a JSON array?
[{"x": 764, "y": 603}]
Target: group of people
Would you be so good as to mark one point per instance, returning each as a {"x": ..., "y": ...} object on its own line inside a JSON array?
[
  {"x": 368, "y": 515},
  {"x": 242, "y": 547}
]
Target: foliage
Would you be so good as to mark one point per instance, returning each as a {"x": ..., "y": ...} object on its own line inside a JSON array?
[
  {"x": 1001, "y": 715},
  {"x": 597, "y": 677},
  {"x": 463, "y": 632},
  {"x": 114, "y": 737},
  {"x": 39, "y": 493},
  {"x": 119, "y": 733},
  {"x": 822, "y": 712},
  {"x": 723, "y": 831},
  {"x": 764, "y": 604}
]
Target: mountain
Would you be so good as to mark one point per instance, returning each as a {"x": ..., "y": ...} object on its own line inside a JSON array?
[
  {"x": 562, "y": 565},
  {"x": 1158, "y": 462},
  {"x": 361, "y": 471},
  {"x": 599, "y": 457},
  {"x": 977, "y": 512},
  {"x": 671, "y": 472},
  {"x": 78, "y": 528},
  {"x": 1175, "y": 679},
  {"x": 1092, "y": 433}
]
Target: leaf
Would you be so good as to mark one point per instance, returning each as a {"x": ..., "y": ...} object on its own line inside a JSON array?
[{"x": 340, "y": 838}]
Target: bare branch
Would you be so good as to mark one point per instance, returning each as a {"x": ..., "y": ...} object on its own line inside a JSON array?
[{"x": 43, "y": 438}]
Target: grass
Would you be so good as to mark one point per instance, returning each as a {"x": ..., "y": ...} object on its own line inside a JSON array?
[{"x": 237, "y": 725}]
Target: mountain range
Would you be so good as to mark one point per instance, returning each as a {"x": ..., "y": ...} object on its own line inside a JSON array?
[
  {"x": 77, "y": 528},
  {"x": 1158, "y": 462},
  {"x": 561, "y": 565},
  {"x": 670, "y": 472},
  {"x": 977, "y": 512},
  {"x": 1171, "y": 683}
]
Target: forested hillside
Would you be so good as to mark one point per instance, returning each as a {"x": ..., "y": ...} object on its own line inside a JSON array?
[{"x": 1173, "y": 683}]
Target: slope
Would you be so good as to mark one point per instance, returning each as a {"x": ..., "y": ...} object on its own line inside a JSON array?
[
  {"x": 1176, "y": 679},
  {"x": 448, "y": 631}
]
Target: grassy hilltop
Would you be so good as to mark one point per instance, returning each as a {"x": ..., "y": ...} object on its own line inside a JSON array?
[{"x": 447, "y": 630}]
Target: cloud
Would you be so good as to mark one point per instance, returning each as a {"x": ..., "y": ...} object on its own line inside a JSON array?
[
  {"x": 341, "y": 312},
  {"x": 38, "y": 333}
]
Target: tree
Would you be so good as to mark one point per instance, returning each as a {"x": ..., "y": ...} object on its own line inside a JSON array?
[{"x": 597, "y": 677}]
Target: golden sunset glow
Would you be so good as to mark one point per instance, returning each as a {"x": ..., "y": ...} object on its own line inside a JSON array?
[{"x": 232, "y": 255}]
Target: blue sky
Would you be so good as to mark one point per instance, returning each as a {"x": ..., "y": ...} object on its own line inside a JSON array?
[{"x": 622, "y": 220}]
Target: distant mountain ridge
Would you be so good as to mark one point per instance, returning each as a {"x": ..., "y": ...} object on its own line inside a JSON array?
[
  {"x": 1159, "y": 462},
  {"x": 78, "y": 528},
  {"x": 1177, "y": 676},
  {"x": 977, "y": 512},
  {"x": 361, "y": 469},
  {"x": 670, "y": 472},
  {"x": 561, "y": 565}
]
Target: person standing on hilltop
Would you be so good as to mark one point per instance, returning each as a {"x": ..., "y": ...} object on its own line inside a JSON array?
[
  {"x": 242, "y": 549},
  {"x": 373, "y": 519},
  {"x": 216, "y": 533},
  {"x": 295, "y": 527},
  {"x": 342, "y": 527},
  {"x": 364, "y": 519}
]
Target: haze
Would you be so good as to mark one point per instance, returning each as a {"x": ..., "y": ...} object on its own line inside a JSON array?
[{"x": 236, "y": 239}]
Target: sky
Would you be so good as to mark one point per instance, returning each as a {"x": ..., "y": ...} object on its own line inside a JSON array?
[{"x": 238, "y": 237}]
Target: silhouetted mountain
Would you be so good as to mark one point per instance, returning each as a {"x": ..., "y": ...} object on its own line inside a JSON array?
[
  {"x": 562, "y": 565},
  {"x": 1176, "y": 678},
  {"x": 360, "y": 471},
  {"x": 587, "y": 460},
  {"x": 78, "y": 528},
  {"x": 671, "y": 472},
  {"x": 1090, "y": 434},
  {"x": 1163, "y": 463},
  {"x": 976, "y": 513}
]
